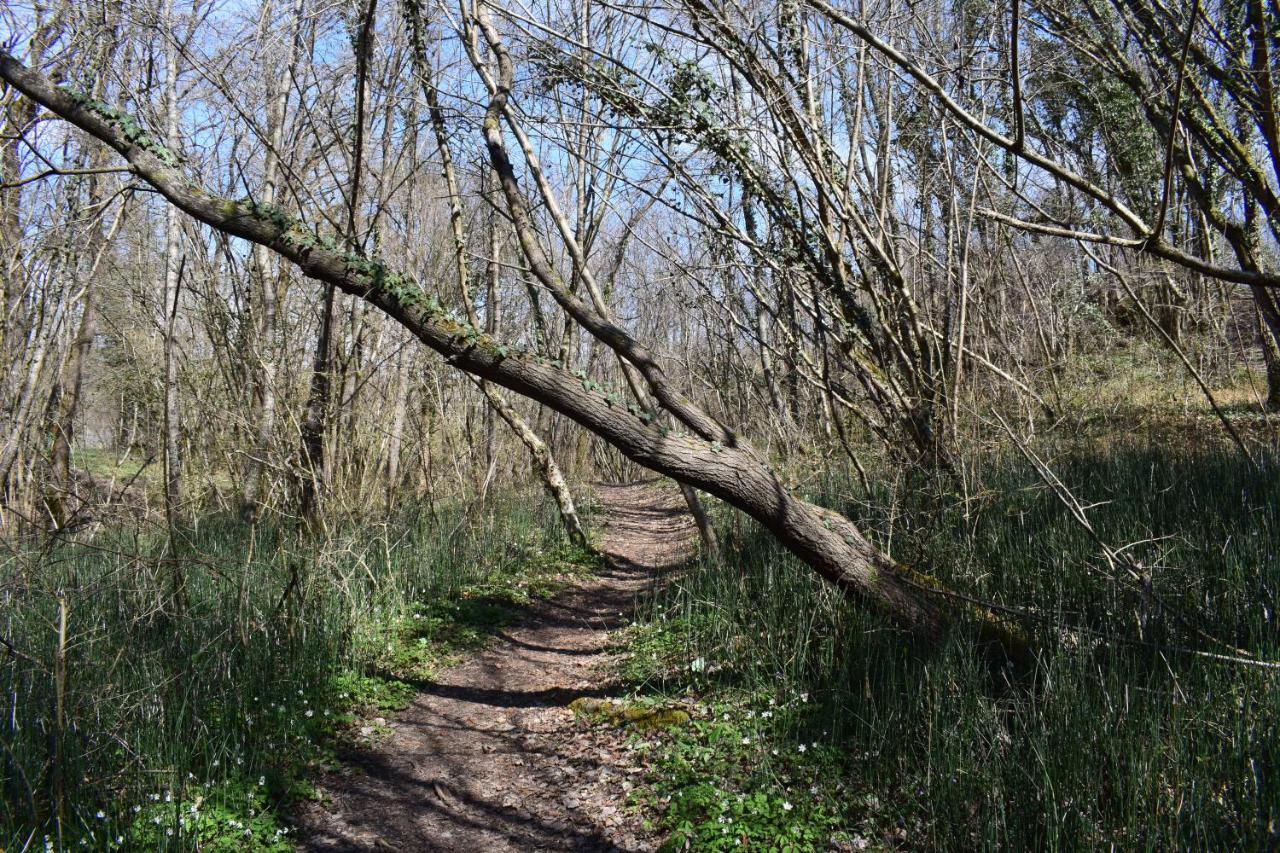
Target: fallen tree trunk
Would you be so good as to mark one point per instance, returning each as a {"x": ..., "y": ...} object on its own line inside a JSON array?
[{"x": 716, "y": 461}]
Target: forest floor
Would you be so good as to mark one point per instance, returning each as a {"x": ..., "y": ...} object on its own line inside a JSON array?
[{"x": 489, "y": 756}]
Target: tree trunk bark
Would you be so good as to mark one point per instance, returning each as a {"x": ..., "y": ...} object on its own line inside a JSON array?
[
  {"x": 312, "y": 478},
  {"x": 544, "y": 463},
  {"x": 1269, "y": 321},
  {"x": 172, "y": 283}
]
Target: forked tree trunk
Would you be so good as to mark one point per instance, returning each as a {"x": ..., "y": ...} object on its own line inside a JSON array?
[{"x": 317, "y": 464}]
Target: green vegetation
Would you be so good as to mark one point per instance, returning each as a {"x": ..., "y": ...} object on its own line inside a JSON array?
[
  {"x": 641, "y": 716},
  {"x": 818, "y": 724},
  {"x": 175, "y": 726}
]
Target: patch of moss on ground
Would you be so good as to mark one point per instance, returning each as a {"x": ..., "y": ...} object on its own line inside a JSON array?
[{"x": 637, "y": 715}]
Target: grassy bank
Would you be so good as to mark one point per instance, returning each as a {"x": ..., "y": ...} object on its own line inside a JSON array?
[
  {"x": 819, "y": 724},
  {"x": 140, "y": 717}
]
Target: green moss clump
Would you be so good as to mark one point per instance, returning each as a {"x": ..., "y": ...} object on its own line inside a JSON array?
[{"x": 641, "y": 717}]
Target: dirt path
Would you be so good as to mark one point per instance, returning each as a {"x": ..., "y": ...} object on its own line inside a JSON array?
[{"x": 490, "y": 758}]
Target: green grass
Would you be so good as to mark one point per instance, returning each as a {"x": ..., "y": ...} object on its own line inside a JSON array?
[
  {"x": 1118, "y": 735},
  {"x": 194, "y": 727}
]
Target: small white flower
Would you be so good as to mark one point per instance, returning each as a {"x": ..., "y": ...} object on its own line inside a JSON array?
[
  {"x": 746, "y": 740},
  {"x": 101, "y": 815},
  {"x": 310, "y": 713},
  {"x": 804, "y": 697},
  {"x": 262, "y": 780},
  {"x": 786, "y": 806},
  {"x": 168, "y": 796},
  {"x": 803, "y": 748}
]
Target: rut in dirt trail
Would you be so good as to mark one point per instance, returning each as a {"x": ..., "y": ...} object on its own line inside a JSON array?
[{"x": 489, "y": 758}]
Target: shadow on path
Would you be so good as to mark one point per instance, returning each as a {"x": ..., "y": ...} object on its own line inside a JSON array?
[{"x": 489, "y": 758}]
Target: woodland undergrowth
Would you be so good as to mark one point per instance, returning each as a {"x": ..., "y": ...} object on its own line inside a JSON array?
[
  {"x": 820, "y": 727},
  {"x": 137, "y": 717}
]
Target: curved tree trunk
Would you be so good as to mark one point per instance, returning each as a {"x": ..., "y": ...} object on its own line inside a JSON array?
[{"x": 713, "y": 459}]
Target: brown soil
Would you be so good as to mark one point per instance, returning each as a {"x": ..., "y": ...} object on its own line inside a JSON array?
[{"x": 489, "y": 758}]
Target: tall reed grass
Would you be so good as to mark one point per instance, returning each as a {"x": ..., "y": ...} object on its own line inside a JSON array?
[
  {"x": 134, "y": 718},
  {"x": 1120, "y": 736}
]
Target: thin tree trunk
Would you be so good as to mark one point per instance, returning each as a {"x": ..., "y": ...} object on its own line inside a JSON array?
[
  {"x": 265, "y": 337},
  {"x": 1269, "y": 322},
  {"x": 311, "y": 485},
  {"x": 543, "y": 460},
  {"x": 68, "y": 391},
  {"x": 315, "y": 460},
  {"x": 492, "y": 321},
  {"x": 172, "y": 283},
  {"x": 395, "y": 441}
]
